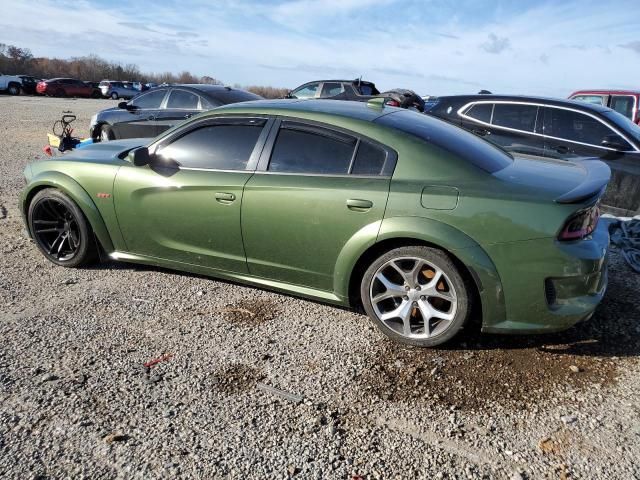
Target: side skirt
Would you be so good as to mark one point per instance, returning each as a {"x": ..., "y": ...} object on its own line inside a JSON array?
[{"x": 287, "y": 288}]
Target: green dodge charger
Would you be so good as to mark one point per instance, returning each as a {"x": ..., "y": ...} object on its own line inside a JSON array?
[{"x": 419, "y": 222}]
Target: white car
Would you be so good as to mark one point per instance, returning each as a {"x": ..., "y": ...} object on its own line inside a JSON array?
[{"x": 10, "y": 84}]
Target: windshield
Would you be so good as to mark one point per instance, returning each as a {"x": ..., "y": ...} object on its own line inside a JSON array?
[
  {"x": 461, "y": 143},
  {"x": 623, "y": 123}
]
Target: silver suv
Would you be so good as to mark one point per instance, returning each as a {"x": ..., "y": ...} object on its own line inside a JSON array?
[{"x": 117, "y": 89}]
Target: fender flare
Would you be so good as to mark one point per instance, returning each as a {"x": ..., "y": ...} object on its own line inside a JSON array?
[
  {"x": 455, "y": 242},
  {"x": 74, "y": 190}
]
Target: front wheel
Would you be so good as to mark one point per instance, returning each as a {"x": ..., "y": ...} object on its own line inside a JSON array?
[
  {"x": 106, "y": 134},
  {"x": 114, "y": 96},
  {"x": 415, "y": 295},
  {"x": 60, "y": 229}
]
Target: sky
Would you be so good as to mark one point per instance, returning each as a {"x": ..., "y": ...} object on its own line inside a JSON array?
[{"x": 434, "y": 47}]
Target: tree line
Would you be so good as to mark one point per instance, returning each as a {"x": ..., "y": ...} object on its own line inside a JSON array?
[{"x": 20, "y": 61}]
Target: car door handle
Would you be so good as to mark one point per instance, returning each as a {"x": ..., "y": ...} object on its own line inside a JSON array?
[
  {"x": 562, "y": 149},
  {"x": 224, "y": 197},
  {"x": 188, "y": 115},
  {"x": 358, "y": 205},
  {"x": 481, "y": 131}
]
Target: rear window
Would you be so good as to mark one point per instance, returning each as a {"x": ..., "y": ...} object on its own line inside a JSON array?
[
  {"x": 232, "y": 96},
  {"x": 459, "y": 142},
  {"x": 623, "y": 123}
]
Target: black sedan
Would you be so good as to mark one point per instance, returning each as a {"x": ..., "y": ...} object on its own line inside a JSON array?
[
  {"x": 555, "y": 129},
  {"x": 154, "y": 111}
]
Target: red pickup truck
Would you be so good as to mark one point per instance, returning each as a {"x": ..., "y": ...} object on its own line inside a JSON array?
[{"x": 626, "y": 102}]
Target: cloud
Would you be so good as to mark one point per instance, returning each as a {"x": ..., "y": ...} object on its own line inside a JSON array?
[
  {"x": 634, "y": 46},
  {"x": 495, "y": 44}
]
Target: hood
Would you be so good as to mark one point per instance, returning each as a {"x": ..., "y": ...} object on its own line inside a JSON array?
[
  {"x": 105, "y": 152},
  {"x": 563, "y": 181}
]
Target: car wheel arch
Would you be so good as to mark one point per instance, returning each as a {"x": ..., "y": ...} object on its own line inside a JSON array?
[
  {"x": 78, "y": 194},
  {"x": 471, "y": 259}
]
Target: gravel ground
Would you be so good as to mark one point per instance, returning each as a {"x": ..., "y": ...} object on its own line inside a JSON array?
[{"x": 252, "y": 384}]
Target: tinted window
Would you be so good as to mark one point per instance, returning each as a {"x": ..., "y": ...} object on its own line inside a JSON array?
[
  {"x": 312, "y": 150},
  {"x": 182, "y": 99},
  {"x": 595, "y": 99},
  {"x": 331, "y": 89},
  {"x": 308, "y": 91},
  {"x": 511, "y": 115},
  {"x": 623, "y": 123},
  {"x": 575, "y": 126},
  {"x": 459, "y": 142},
  {"x": 369, "y": 159},
  {"x": 223, "y": 147},
  {"x": 149, "y": 100},
  {"x": 623, "y": 105},
  {"x": 481, "y": 111},
  {"x": 224, "y": 96}
]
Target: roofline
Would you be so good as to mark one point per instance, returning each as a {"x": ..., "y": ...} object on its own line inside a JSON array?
[{"x": 604, "y": 91}]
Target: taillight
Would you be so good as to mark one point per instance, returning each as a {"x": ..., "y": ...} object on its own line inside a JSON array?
[
  {"x": 392, "y": 103},
  {"x": 580, "y": 224}
]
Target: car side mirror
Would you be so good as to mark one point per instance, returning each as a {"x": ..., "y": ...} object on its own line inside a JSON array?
[
  {"x": 615, "y": 141},
  {"x": 140, "y": 157},
  {"x": 289, "y": 95}
]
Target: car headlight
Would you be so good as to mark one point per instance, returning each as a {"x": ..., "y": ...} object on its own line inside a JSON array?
[{"x": 94, "y": 120}]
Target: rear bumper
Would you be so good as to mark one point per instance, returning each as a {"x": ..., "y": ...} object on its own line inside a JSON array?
[{"x": 548, "y": 285}]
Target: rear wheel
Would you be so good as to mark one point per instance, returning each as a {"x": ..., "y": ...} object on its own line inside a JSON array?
[
  {"x": 14, "y": 89},
  {"x": 114, "y": 95},
  {"x": 61, "y": 230},
  {"x": 415, "y": 295}
]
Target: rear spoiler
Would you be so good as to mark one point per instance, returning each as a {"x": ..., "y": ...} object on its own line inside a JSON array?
[{"x": 594, "y": 184}]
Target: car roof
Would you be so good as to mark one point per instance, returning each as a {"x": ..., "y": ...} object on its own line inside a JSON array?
[
  {"x": 338, "y": 80},
  {"x": 342, "y": 108},
  {"x": 576, "y": 105},
  {"x": 604, "y": 91}
]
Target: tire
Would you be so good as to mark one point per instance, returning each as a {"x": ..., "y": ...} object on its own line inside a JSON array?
[
  {"x": 105, "y": 134},
  {"x": 114, "y": 96},
  {"x": 14, "y": 89},
  {"x": 95, "y": 94},
  {"x": 60, "y": 229},
  {"x": 431, "y": 286}
]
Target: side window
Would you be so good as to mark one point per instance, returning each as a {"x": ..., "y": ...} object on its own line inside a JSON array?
[
  {"x": 516, "y": 116},
  {"x": 574, "y": 126},
  {"x": 302, "y": 149},
  {"x": 365, "y": 89},
  {"x": 152, "y": 99},
  {"x": 595, "y": 99},
  {"x": 308, "y": 91},
  {"x": 221, "y": 147},
  {"x": 481, "y": 112},
  {"x": 623, "y": 104},
  {"x": 370, "y": 159},
  {"x": 331, "y": 89},
  {"x": 183, "y": 100}
]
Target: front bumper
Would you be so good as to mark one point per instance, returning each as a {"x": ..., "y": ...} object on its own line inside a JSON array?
[{"x": 549, "y": 285}]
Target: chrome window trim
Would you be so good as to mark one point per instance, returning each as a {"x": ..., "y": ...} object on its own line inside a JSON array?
[
  {"x": 166, "y": 107},
  {"x": 220, "y": 170},
  {"x": 544, "y": 105},
  {"x": 332, "y": 175}
]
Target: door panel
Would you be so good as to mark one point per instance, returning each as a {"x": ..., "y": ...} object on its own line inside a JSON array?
[
  {"x": 137, "y": 124},
  {"x": 178, "y": 215},
  {"x": 294, "y": 226}
]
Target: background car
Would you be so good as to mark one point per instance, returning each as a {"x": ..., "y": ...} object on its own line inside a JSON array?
[
  {"x": 558, "y": 129},
  {"x": 625, "y": 102},
  {"x": 65, "y": 87},
  {"x": 154, "y": 111},
  {"x": 422, "y": 223},
  {"x": 116, "y": 90},
  {"x": 29, "y": 84},
  {"x": 10, "y": 84},
  {"x": 357, "y": 90}
]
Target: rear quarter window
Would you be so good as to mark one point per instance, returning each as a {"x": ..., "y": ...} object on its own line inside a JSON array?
[{"x": 455, "y": 140}]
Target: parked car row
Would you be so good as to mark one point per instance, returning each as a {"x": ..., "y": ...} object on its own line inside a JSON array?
[{"x": 70, "y": 87}]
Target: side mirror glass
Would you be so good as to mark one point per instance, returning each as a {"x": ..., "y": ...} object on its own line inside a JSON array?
[
  {"x": 140, "y": 157},
  {"x": 615, "y": 141},
  {"x": 123, "y": 105}
]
